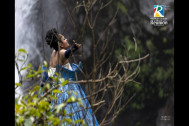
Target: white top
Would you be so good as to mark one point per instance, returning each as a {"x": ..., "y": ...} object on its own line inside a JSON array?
[{"x": 52, "y": 70}]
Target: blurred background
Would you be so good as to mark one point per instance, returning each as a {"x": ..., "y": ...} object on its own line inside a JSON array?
[{"x": 153, "y": 104}]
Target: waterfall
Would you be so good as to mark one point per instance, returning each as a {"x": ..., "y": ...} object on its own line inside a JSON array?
[
  {"x": 26, "y": 36},
  {"x": 32, "y": 19}
]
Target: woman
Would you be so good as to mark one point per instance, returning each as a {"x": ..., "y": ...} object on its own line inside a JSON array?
[{"x": 59, "y": 63}]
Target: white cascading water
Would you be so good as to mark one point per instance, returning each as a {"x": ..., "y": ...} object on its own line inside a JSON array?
[
  {"x": 25, "y": 32},
  {"x": 31, "y": 24}
]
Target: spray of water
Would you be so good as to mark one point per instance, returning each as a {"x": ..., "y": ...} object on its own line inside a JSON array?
[
  {"x": 32, "y": 19},
  {"x": 25, "y": 35}
]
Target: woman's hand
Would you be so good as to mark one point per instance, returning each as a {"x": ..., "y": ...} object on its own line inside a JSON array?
[{"x": 78, "y": 45}]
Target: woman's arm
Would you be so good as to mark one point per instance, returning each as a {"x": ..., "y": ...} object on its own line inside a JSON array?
[{"x": 72, "y": 49}]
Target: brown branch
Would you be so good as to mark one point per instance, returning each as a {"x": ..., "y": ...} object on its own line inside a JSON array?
[
  {"x": 107, "y": 27},
  {"x": 106, "y": 4},
  {"x": 135, "y": 60},
  {"x": 118, "y": 111},
  {"x": 96, "y": 104}
]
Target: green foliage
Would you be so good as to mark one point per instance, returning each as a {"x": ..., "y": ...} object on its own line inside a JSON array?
[
  {"x": 22, "y": 51},
  {"x": 35, "y": 109},
  {"x": 150, "y": 45},
  {"x": 156, "y": 72},
  {"x": 21, "y": 55},
  {"x": 137, "y": 106},
  {"x": 32, "y": 73},
  {"x": 121, "y": 7},
  {"x": 18, "y": 84}
]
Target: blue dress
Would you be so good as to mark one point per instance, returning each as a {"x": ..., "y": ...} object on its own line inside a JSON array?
[{"x": 78, "y": 110}]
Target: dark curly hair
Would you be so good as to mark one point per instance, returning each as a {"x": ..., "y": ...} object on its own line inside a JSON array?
[{"x": 52, "y": 38}]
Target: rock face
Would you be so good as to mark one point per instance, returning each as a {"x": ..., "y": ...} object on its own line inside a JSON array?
[{"x": 166, "y": 113}]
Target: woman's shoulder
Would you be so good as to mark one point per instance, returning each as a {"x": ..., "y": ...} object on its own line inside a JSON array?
[
  {"x": 53, "y": 53},
  {"x": 62, "y": 50}
]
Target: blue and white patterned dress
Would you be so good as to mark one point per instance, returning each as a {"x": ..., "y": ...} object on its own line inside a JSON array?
[{"x": 79, "y": 110}]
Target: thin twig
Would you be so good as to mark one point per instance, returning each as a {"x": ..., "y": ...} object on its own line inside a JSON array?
[{"x": 135, "y": 60}]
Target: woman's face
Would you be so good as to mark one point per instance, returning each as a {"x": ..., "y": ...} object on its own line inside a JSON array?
[{"x": 64, "y": 42}]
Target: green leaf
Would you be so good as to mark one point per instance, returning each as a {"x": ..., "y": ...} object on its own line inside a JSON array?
[
  {"x": 68, "y": 120},
  {"x": 79, "y": 121},
  {"x": 17, "y": 107},
  {"x": 64, "y": 82},
  {"x": 122, "y": 7},
  {"x": 21, "y": 60},
  {"x": 39, "y": 72},
  {"x": 54, "y": 120},
  {"x": 21, "y": 119},
  {"x": 53, "y": 97},
  {"x": 30, "y": 75},
  {"x": 25, "y": 97},
  {"x": 64, "y": 112},
  {"x": 24, "y": 68},
  {"x": 43, "y": 105},
  {"x": 31, "y": 93},
  {"x": 45, "y": 63},
  {"x": 47, "y": 85},
  {"x": 18, "y": 84},
  {"x": 71, "y": 99},
  {"x": 36, "y": 88},
  {"x": 32, "y": 96},
  {"x": 31, "y": 104},
  {"x": 23, "y": 102},
  {"x": 58, "y": 107},
  {"x": 56, "y": 91},
  {"x": 22, "y": 50},
  {"x": 161, "y": 93},
  {"x": 29, "y": 65},
  {"x": 29, "y": 121},
  {"x": 38, "y": 76},
  {"x": 55, "y": 79}
]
